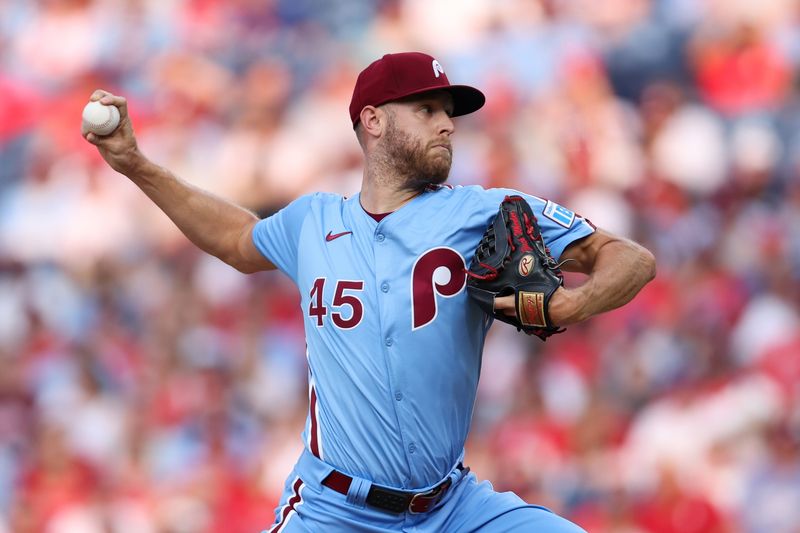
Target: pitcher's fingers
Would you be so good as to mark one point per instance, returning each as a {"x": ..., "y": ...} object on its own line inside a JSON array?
[
  {"x": 98, "y": 94},
  {"x": 118, "y": 101}
]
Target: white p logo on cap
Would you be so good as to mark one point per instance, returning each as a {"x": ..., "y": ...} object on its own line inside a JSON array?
[{"x": 437, "y": 68}]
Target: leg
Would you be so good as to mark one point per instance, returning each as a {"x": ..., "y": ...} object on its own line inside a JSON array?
[
  {"x": 476, "y": 507},
  {"x": 287, "y": 515},
  {"x": 530, "y": 518}
]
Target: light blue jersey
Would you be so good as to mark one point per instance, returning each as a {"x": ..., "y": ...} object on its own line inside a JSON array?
[{"x": 394, "y": 342}]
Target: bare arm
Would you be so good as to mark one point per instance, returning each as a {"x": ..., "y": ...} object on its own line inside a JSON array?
[
  {"x": 617, "y": 268},
  {"x": 215, "y": 225}
]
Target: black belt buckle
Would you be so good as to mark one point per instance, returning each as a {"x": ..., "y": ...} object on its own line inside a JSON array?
[
  {"x": 388, "y": 500},
  {"x": 395, "y": 501},
  {"x": 398, "y": 502}
]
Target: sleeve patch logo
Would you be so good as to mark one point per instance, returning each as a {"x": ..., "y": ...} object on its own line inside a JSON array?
[{"x": 559, "y": 214}]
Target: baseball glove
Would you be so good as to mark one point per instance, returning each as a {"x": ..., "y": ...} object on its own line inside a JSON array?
[{"x": 512, "y": 259}]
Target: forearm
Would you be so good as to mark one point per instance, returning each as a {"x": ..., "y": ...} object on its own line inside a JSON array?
[
  {"x": 213, "y": 224},
  {"x": 621, "y": 268},
  {"x": 216, "y": 226}
]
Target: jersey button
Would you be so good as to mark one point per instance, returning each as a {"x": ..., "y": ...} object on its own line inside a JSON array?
[
  {"x": 389, "y": 341},
  {"x": 398, "y": 396},
  {"x": 412, "y": 448},
  {"x": 385, "y": 287},
  {"x": 380, "y": 237}
]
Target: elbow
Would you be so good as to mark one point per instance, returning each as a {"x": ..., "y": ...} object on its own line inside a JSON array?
[
  {"x": 641, "y": 263},
  {"x": 238, "y": 262},
  {"x": 242, "y": 255},
  {"x": 648, "y": 262},
  {"x": 244, "y": 267}
]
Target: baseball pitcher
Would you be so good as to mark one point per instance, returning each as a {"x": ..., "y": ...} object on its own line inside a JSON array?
[{"x": 399, "y": 285}]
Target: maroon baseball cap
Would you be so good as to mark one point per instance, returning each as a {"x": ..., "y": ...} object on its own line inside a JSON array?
[{"x": 396, "y": 76}]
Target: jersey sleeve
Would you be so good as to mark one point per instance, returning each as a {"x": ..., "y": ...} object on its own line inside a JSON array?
[
  {"x": 560, "y": 226},
  {"x": 277, "y": 237}
]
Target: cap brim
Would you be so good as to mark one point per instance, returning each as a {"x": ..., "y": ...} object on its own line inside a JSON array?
[{"x": 466, "y": 99}]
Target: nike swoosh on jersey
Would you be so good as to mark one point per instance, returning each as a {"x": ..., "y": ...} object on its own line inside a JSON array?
[{"x": 331, "y": 236}]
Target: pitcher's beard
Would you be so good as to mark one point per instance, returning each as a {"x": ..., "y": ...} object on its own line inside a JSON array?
[{"x": 416, "y": 163}]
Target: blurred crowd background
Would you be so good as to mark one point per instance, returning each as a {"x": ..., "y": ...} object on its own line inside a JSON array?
[{"x": 146, "y": 387}]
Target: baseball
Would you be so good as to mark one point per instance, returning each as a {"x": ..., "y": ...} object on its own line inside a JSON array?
[{"x": 100, "y": 119}]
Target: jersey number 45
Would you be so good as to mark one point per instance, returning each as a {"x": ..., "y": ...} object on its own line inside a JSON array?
[{"x": 439, "y": 272}]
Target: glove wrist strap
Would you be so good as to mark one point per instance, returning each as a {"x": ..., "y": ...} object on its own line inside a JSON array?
[{"x": 530, "y": 307}]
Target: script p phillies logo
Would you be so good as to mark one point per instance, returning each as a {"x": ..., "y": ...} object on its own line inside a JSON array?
[{"x": 437, "y": 272}]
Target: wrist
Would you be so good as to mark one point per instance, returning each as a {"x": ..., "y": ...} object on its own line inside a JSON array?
[
  {"x": 566, "y": 307},
  {"x": 136, "y": 165}
]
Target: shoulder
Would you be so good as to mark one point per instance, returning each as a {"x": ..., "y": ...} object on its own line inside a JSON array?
[
  {"x": 463, "y": 193},
  {"x": 488, "y": 200},
  {"x": 540, "y": 206},
  {"x": 298, "y": 210},
  {"x": 315, "y": 201},
  {"x": 478, "y": 193},
  {"x": 454, "y": 198},
  {"x": 324, "y": 198}
]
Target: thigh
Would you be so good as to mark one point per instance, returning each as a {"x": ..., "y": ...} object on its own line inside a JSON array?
[
  {"x": 293, "y": 501},
  {"x": 476, "y": 507}
]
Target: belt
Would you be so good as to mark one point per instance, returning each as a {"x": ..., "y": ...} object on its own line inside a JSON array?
[{"x": 394, "y": 501}]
